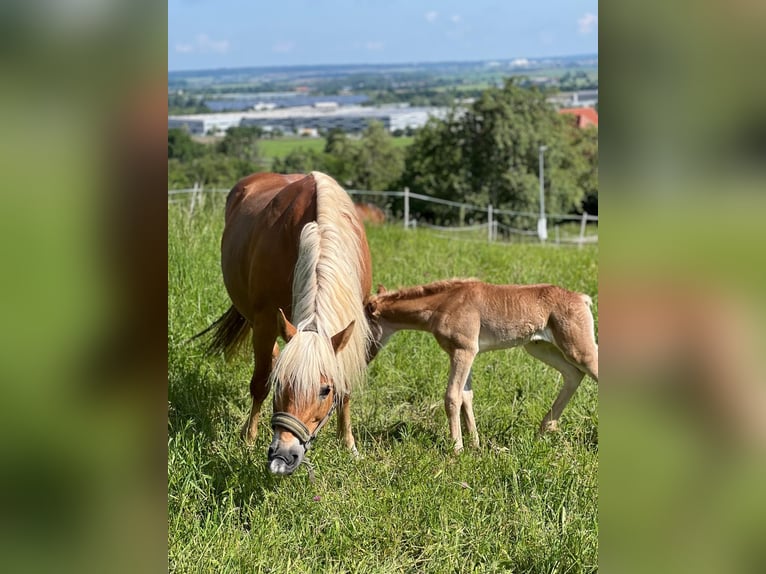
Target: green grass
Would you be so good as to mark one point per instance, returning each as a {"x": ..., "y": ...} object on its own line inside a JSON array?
[
  {"x": 281, "y": 147},
  {"x": 519, "y": 503}
]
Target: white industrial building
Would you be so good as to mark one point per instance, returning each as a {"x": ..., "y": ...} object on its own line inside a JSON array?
[{"x": 320, "y": 116}]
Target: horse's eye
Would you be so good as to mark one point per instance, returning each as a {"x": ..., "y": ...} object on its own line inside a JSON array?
[{"x": 324, "y": 391}]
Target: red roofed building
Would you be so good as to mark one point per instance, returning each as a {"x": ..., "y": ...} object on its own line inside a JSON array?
[{"x": 585, "y": 116}]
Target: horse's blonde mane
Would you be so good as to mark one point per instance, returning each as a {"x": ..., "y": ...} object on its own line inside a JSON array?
[{"x": 327, "y": 296}]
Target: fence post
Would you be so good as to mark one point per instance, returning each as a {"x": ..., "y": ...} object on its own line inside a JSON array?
[
  {"x": 406, "y": 207},
  {"x": 583, "y": 222},
  {"x": 489, "y": 223},
  {"x": 195, "y": 192}
]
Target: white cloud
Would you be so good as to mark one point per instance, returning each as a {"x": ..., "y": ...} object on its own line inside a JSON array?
[
  {"x": 374, "y": 46},
  {"x": 456, "y": 18},
  {"x": 431, "y": 16},
  {"x": 207, "y": 44},
  {"x": 203, "y": 44},
  {"x": 587, "y": 23},
  {"x": 283, "y": 47}
]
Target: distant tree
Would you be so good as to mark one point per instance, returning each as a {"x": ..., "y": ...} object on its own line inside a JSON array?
[
  {"x": 339, "y": 156},
  {"x": 336, "y": 141},
  {"x": 302, "y": 160},
  {"x": 376, "y": 162},
  {"x": 489, "y": 154},
  {"x": 241, "y": 142},
  {"x": 211, "y": 170},
  {"x": 586, "y": 141},
  {"x": 182, "y": 147}
]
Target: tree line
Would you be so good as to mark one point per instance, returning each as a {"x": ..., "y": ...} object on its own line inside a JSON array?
[{"x": 485, "y": 153}]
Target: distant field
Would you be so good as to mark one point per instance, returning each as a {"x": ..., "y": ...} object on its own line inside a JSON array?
[
  {"x": 280, "y": 147},
  {"x": 519, "y": 503}
]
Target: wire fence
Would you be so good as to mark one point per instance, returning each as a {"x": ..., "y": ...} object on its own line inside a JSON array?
[{"x": 454, "y": 219}]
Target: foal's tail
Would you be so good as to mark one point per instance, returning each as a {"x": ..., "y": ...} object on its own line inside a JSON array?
[{"x": 229, "y": 333}]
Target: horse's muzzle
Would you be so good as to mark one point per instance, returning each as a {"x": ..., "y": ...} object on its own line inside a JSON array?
[{"x": 284, "y": 459}]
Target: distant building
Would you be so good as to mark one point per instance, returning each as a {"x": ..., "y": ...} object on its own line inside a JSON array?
[
  {"x": 320, "y": 116},
  {"x": 578, "y": 99},
  {"x": 584, "y": 116}
]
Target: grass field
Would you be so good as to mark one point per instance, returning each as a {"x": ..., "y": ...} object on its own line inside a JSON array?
[{"x": 519, "y": 503}]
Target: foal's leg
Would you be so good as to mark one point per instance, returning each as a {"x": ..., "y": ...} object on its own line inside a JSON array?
[
  {"x": 344, "y": 425},
  {"x": 460, "y": 368},
  {"x": 265, "y": 352},
  {"x": 550, "y": 355},
  {"x": 467, "y": 412}
]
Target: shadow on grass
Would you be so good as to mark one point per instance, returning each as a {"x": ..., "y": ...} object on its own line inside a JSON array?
[
  {"x": 206, "y": 411},
  {"x": 196, "y": 400},
  {"x": 398, "y": 432}
]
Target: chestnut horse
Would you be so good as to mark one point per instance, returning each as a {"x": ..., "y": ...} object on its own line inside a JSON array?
[
  {"x": 296, "y": 263},
  {"x": 468, "y": 317},
  {"x": 369, "y": 213}
]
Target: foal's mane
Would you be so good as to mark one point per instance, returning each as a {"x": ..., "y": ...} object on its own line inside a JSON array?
[
  {"x": 427, "y": 290},
  {"x": 327, "y": 296}
]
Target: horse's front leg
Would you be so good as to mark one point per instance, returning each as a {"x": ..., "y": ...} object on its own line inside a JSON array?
[
  {"x": 265, "y": 352},
  {"x": 344, "y": 425},
  {"x": 460, "y": 369}
]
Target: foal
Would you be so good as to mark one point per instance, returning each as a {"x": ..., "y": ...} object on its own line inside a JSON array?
[{"x": 468, "y": 317}]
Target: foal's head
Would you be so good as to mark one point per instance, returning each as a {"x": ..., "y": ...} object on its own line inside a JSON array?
[
  {"x": 304, "y": 378},
  {"x": 372, "y": 312}
]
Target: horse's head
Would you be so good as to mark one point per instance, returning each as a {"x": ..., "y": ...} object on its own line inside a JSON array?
[{"x": 304, "y": 391}]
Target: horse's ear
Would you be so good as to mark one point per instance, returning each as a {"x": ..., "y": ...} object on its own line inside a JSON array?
[
  {"x": 381, "y": 289},
  {"x": 286, "y": 328},
  {"x": 340, "y": 339}
]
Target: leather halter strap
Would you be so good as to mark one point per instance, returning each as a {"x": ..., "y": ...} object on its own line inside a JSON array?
[{"x": 297, "y": 428}]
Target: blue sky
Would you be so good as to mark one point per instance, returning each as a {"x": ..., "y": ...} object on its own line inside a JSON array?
[{"x": 238, "y": 33}]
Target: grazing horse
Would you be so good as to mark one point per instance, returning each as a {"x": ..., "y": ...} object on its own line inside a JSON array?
[
  {"x": 369, "y": 213},
  {"x": 296, "y": 263},
  {"x": 468, "y": 317}
]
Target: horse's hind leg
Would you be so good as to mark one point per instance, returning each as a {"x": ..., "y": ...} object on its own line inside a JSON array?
[
  {"x": 550, "y": 355},
  {"x": 265, "y": 353},
  {"x": 467, "y": 413},
  {"x": 460, "y": 368}
]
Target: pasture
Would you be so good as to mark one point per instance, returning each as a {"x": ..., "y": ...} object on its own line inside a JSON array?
[{"x": 519, "y": 503}]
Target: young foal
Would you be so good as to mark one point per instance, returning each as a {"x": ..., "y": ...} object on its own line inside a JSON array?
[{"x": 468, "y": 317}]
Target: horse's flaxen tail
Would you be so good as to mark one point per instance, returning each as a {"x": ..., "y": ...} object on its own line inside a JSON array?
[{"x": 229, "y": 333}]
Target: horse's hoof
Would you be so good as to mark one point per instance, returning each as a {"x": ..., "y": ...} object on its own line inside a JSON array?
[
  {"x": 247, "y": 437},
  {"x": 549, "y": 426}
]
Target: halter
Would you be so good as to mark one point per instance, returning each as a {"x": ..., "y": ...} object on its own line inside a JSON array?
[{"x": 297, "y": 428}]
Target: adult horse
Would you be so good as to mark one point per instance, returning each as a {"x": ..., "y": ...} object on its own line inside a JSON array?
[{"x": 296, "y": 263}]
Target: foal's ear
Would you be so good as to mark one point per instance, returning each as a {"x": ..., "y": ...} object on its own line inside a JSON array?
[
  {"x": 340, "y": 338},
  {"x": 381, "y": 289},
  {"x": 371, "y": 309},
  {"x": 286, "y": 328}
]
